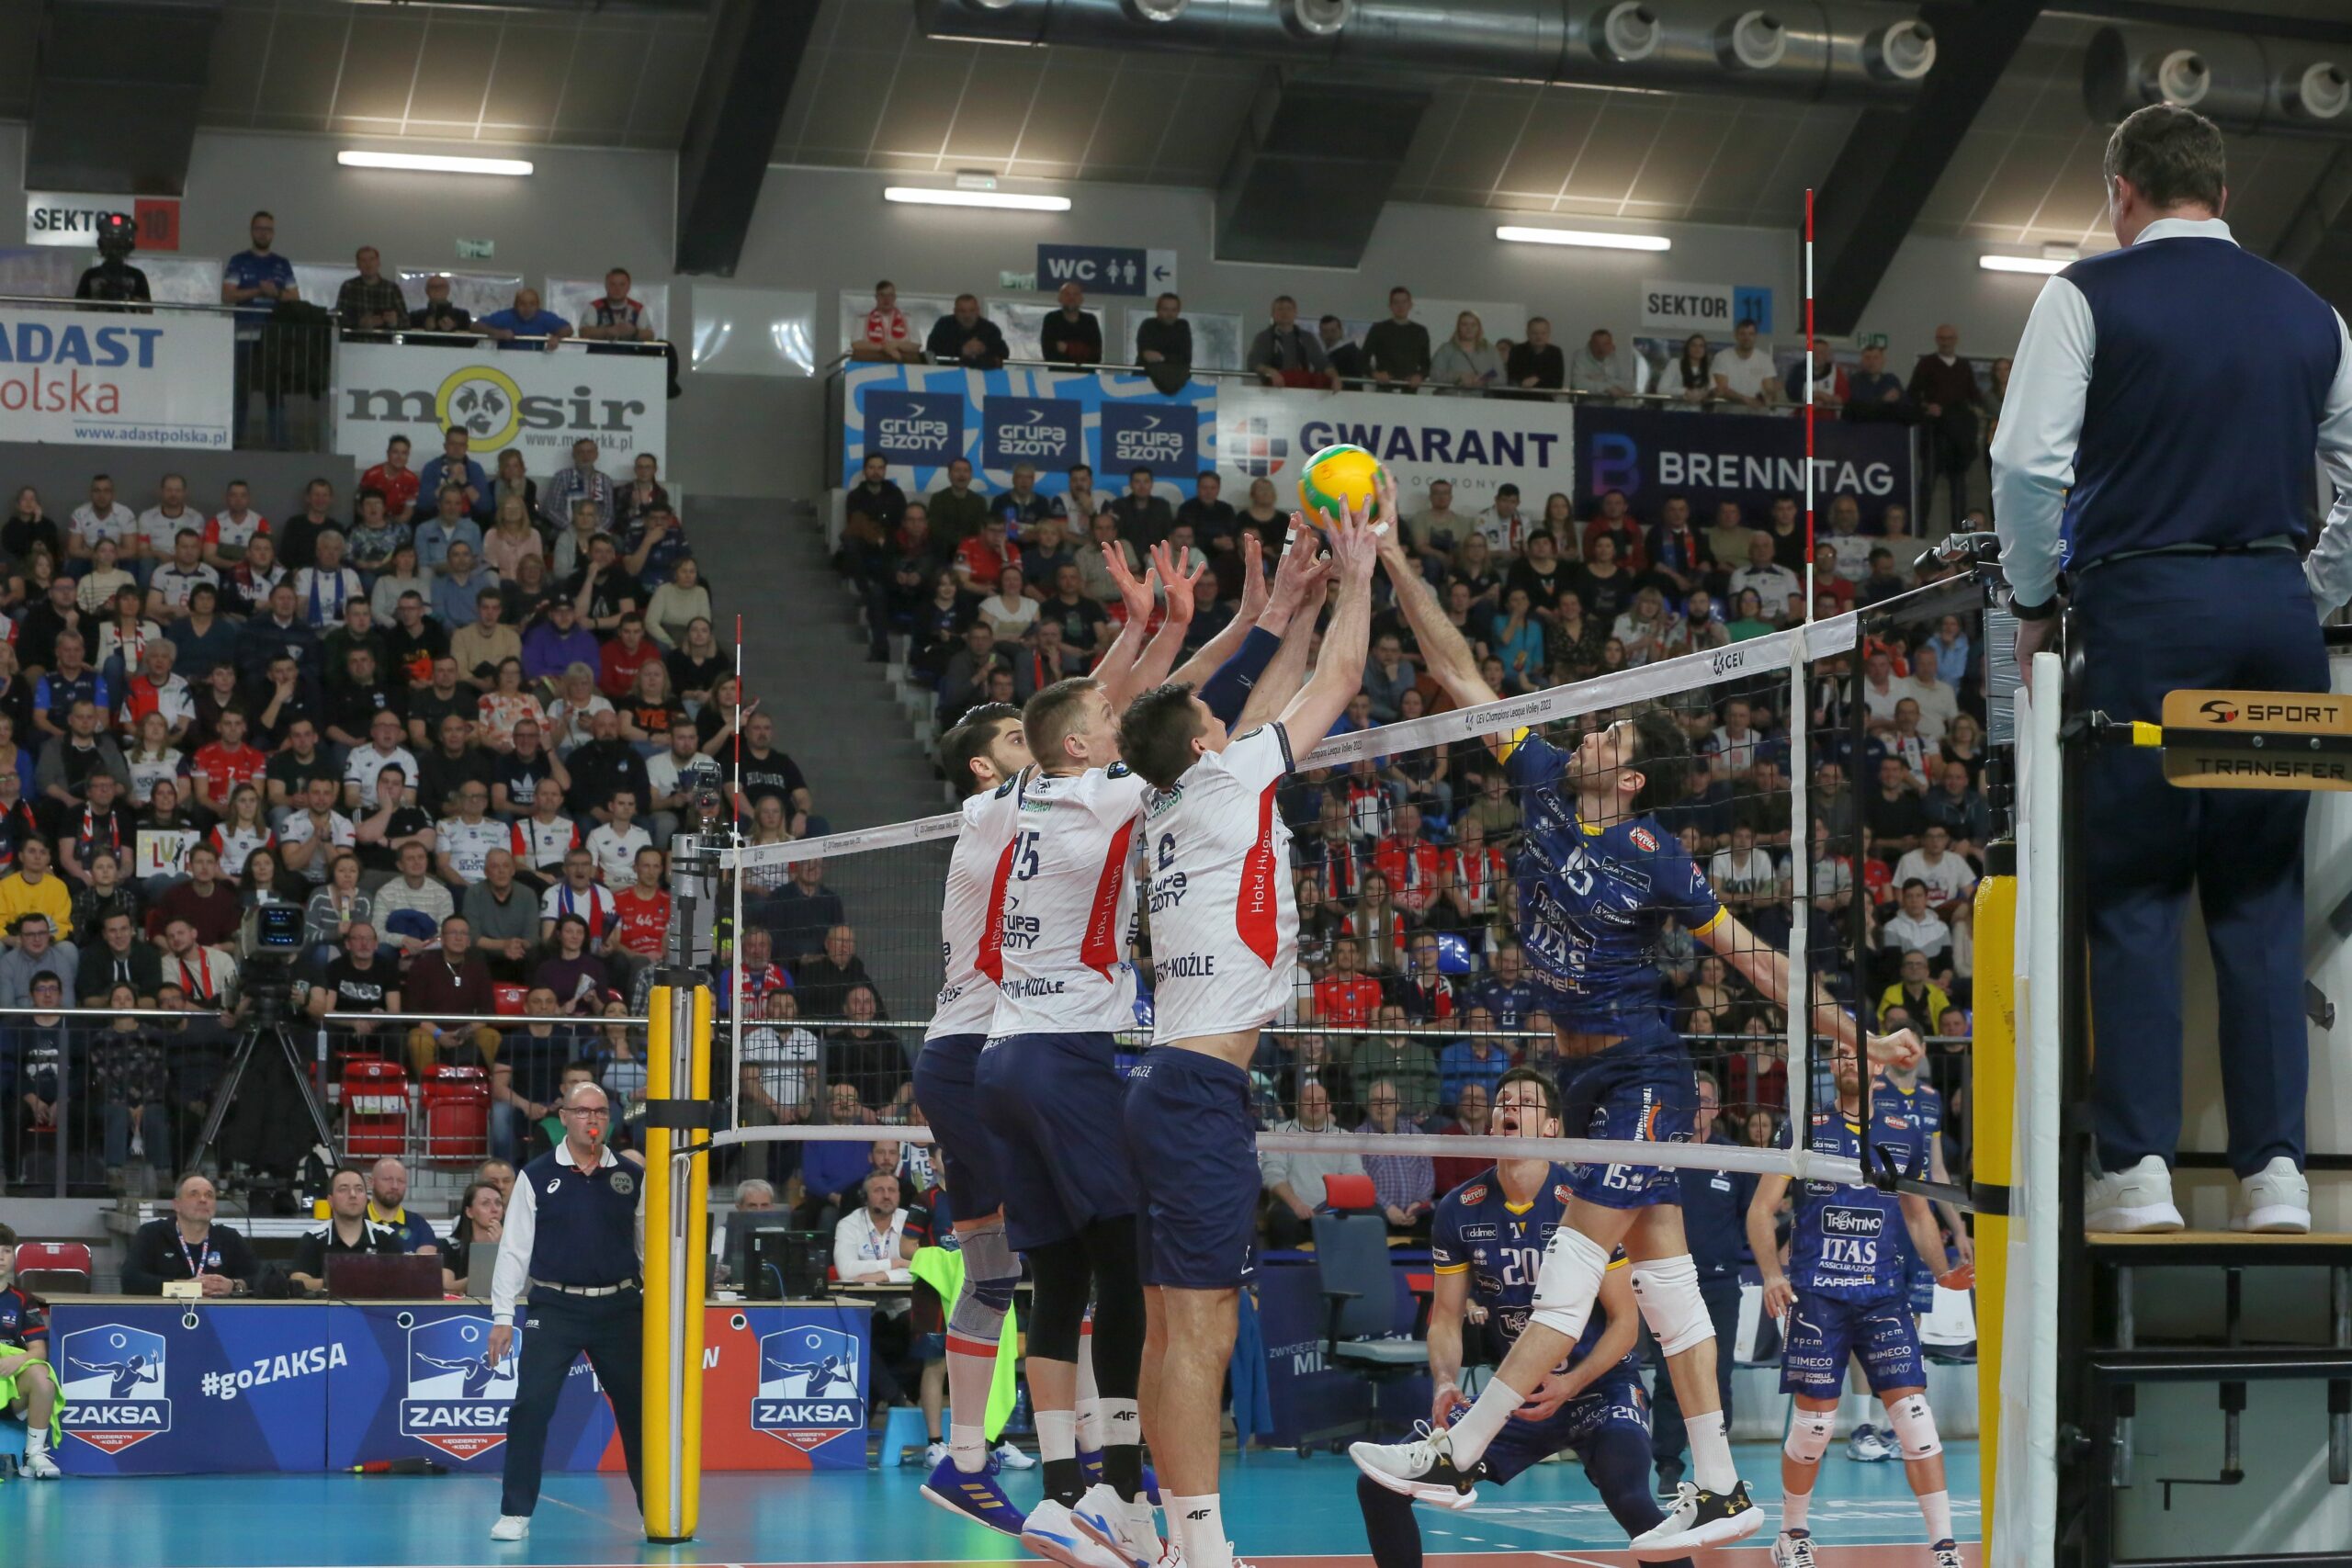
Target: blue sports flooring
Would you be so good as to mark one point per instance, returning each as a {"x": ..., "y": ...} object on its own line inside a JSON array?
[{"x": 1299, "y": 1513}]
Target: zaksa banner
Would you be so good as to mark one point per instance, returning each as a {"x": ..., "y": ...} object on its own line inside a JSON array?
[{"x": 155, "y": 380}]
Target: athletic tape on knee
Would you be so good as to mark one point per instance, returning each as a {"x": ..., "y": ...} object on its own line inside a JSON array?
[
  {"x": 1668, "y": 1289},
  {"x": 1059, "y": 1302},
  {"x": 1568, "y": 1281},
  {"x": 1915, "y": 1426},
  {"x": 990, "y": 1273},
  {"x": 1808, "y": 1437}
]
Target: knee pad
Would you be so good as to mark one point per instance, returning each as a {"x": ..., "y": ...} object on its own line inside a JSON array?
[
  {"x": 990, "y": 1273},
  {"x": 1060, "y": 1302},
  {"x": 1668, "y": 1289},
  {"x": 1915, "y": 1426},
  {"x": 1808, "y": 1437},
  {"x": 1568, "y": 1281}
]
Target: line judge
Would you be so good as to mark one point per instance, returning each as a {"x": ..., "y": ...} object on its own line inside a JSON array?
[
  {"x": 575, "y": 1234},
  {"x": 2157, "y": 441}
]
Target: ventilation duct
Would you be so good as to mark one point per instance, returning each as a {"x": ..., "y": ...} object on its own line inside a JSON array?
[
  {"x": 1850, "y": 50},
  {"x": 2240, "y": 82}
]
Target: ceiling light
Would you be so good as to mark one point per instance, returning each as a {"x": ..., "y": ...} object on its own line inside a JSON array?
[
  {"x": 928, "y": 195},
  {"x": 2044, "y": 266},
  {"x": 1591, "y": 239},
  {"x": 432, "y": 163}
]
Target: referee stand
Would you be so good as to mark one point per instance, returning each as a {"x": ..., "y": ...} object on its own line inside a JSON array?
[{"x": 2292, "y": 1330}]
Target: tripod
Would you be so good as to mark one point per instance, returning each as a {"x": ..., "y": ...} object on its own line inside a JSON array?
[{"x": 267, "y": 1025}]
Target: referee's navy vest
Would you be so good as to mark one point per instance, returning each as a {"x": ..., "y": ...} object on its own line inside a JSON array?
[
  {"x": 2210, "y": 369},
  {"x": 587, "y": 1222}
]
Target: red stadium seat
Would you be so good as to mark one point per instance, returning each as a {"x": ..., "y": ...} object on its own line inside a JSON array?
[
  {"x": 1347, "y": 1193},
  {"x": 456, "y": 1115},
  {"x": 374, "y": 1108},
  {"x": 508, "y": 999},
  {"x": 54, "y": 1266}
]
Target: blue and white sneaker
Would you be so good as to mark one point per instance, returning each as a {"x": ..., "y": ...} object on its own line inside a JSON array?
[
  {"x": 1004, "y": 1456},
  {"x": 1052, "y": 1532},
  {"x": 1868, "y": 1445},
  {"x": 976, "y": 1497},
  {"x": 1103, "y": 1514}
]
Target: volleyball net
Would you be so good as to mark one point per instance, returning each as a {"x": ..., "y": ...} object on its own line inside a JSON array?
[{"x": 1815, "y": 808}]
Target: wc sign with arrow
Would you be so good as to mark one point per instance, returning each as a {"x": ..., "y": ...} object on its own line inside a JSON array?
[{"x": 1106, "y": 269}]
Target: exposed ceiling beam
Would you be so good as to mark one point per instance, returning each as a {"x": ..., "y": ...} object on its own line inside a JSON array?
[
  {"x": 1311, "y": 168},
  {"x": 757, "y": 48},
  {"x": 119, "y": 85},
  {"x": 1893, "y": 157}
]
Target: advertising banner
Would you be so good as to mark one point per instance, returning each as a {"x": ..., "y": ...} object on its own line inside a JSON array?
[
  {"x": 535, "y": 401},
  {"x": 1712, "y": 458},
  {"x": 1475, "y": 444},
  {"x": 920, "y": 418},
  {"x": 85, "y": 376},
  {"x": 209, "y": 1388}
]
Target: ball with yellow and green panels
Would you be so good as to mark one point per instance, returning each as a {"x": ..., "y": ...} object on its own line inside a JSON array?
[{"x": 1336, "y": 478}]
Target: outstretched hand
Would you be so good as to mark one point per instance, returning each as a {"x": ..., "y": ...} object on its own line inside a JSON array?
[
  {"x": 1255, "y": 589},
  {"x": 1355, "y": 548},
  {"x": 1900, "y": 1049},
  {"x": 1175, "y": 582},
  {"x": 1302, "y": 567},
  {"x": 1136, "y": 595}
]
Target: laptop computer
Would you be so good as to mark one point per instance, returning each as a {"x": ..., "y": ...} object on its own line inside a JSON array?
[
  {"x": 384, "y": 1276},
  {"x": 481, "y": 1262}
]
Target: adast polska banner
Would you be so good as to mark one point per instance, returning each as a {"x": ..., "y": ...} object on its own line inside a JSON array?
[
  {"x": 536, "y": 402},
  {"x": 1475, "y": 444},
  {"x": 155, "y": 380}
]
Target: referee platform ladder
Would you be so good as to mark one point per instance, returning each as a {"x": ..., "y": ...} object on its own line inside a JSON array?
[{"x": 2138, "y": 1465}]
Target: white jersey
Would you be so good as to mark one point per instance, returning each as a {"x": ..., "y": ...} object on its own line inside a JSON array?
[
  {"x": 1070, "y": 906},
  {"x": 1223, "y": 917},
  {"x": 973, "y": 901}
]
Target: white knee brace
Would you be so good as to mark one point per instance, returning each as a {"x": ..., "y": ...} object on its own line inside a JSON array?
[
  {"x": 1568, "y": 1283},
  {"x": 1808, "y": 1437},
  {"x": 1668, "y": 1289},
  {"x": 1915, "y": 1426}
]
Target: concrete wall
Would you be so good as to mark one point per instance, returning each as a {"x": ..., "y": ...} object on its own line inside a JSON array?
[{"x": 831, "y": 230}]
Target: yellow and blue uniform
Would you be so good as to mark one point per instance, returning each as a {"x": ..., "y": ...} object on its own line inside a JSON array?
[
  {"x": 1594, "y": 902},
  {"x": 1850, "y": 1272}
]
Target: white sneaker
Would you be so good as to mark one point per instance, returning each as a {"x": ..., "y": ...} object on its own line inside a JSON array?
[
  {"x": 1103, "y": 1515},
  {"x": 933, "y": 1455},
  {"x": 1422, "y": 1468},
  {"x": 2128, "y": 1201},
  {"x": 1011, "y": 1458},
  {"x": 510, "y": 1526},
  {"x": 37, "y": 1462},
  {"x": 1793, "y": 1550},
  {"x": 2275, "y": 1198},
  {"x": 1052, "y": 1533},
  {"x": 1699, "y": 1519}
]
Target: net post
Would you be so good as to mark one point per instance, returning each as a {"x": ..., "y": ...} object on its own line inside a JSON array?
[
  {"x": 1811, "y": 372},
  {"x": 1800, "y": 988}
]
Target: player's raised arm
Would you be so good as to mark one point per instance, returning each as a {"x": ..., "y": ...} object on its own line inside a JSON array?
[
  {"x": 1159, "y": 654},
  {"x": 1338, "y": 673},
  {"x": 1446, "y": 655},
  {"x": 1117, "y": 668},
  {"x": 1767, "y": 968},
  {"x": 1301, "y": 576},
  {"x": 1255, "y": 594}
]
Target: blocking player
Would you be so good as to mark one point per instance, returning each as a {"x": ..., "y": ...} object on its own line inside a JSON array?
[
  {"x": 1485, "y": 1244},
  {"x": 1225, "y": 947},
  {"x": 1047, "y": 1083},
  {"x": 983, "y": 753},
  {"x": 1850, "y": 1297},
  {"x": 1598, "y": 880},
  {"x": 1923, "y": 1104}
]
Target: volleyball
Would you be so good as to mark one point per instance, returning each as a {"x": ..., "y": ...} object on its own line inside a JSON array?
[{"x": 1336, "y": 477}]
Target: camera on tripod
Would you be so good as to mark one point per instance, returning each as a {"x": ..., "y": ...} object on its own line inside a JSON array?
[{"x": 269, "y": 941}]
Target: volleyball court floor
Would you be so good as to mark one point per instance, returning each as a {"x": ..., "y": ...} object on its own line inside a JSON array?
[{"x": 1282, "y": 1510}]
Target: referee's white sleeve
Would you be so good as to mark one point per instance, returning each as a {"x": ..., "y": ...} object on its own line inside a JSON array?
[
  {"x": 2042, "y": 425},
  {"x": 2329, "y": 569},
  {"x": 513, "y": 1271}
]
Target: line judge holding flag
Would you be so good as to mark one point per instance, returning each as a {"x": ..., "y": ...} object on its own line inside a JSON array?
[
  {"x": 2167, "y": 400},
  {"x": 575, "y": 1233}
]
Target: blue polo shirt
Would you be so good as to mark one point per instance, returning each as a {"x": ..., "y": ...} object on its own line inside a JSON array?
[
  {"x": 251, "y": 269},
  {"x": 526, "y": 333}
]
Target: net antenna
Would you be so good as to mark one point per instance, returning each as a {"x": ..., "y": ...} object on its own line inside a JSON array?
[
  {"x": 736, "y": 838},
  {"x": 1800, "y": 771}
]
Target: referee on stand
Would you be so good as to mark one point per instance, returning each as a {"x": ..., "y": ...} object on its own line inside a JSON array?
[
  {"x": 575, "y": 1234},
  {"x": 2157, "y": 442}
]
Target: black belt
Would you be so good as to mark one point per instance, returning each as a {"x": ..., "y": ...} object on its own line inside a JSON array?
[{"x": 2264, "y": 546}]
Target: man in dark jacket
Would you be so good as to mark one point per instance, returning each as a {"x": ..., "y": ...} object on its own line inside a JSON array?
[{"x": 1943, "y": 389}]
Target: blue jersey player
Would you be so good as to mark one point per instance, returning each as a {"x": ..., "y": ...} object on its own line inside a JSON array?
[
  {"x": 1873, "y": 1439},
  {"x": 1847, "y": 1293},
  {"x": 1598, "y": 880},
  {"x": 1486, "y": 1244}
]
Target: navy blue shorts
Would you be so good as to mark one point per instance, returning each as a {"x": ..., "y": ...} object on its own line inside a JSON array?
[
  {"x": 1824, "y": 1332},
  {"x": 1057, "y": 1106},
  {"x": 944, "y": 1088},
  {"x": 1615, "y": 1407},
  {"x": 1642, "y": 1090},
  {"x": 1193, "y": 1141}
]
